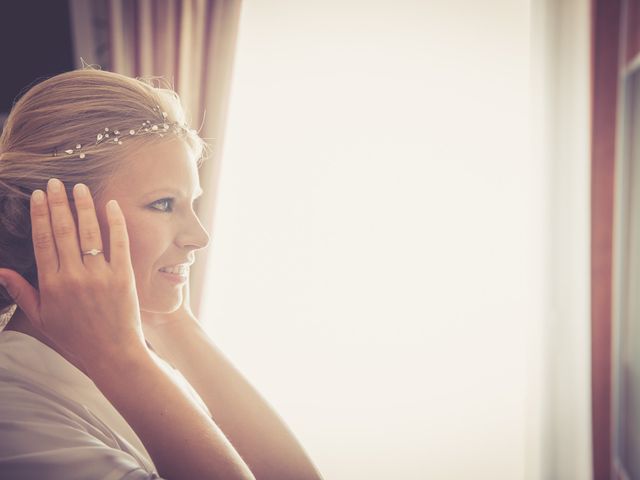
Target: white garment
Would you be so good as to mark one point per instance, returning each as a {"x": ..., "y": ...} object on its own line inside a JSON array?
[{"x": 56, "y": 424}]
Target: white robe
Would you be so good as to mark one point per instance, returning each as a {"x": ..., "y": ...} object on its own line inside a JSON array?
[{"x": 56, "y": 424}]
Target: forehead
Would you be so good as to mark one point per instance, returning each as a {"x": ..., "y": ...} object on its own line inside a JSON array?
[{"x": 165, "y": 164}]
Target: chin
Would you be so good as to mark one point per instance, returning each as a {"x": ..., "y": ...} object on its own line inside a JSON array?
[{"x": 167, "y": 304}]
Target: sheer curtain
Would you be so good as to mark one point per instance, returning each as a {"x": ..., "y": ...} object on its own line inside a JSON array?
[
  {"x": 385, "y": 223},
  {"x": 188, "y": 42}
]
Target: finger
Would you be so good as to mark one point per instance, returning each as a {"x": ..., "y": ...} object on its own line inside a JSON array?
[
  {"x": 44, "y": 245},
  {"x": 88, "y": 226},
  {"x": 120, "y": 256},
  {"x": 63, "y": 226},
  {"x": 25, "y": 296}
]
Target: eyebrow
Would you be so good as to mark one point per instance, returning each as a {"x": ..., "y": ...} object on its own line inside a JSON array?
[{"x": 173, "y": 191}]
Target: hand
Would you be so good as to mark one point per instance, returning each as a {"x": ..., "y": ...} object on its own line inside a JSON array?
[{"x": 85, "y": 305}]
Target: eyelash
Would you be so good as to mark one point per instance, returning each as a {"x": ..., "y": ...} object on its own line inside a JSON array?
[{"x": 168, "y": 201}]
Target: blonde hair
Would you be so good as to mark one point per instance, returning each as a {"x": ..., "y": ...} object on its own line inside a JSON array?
[{"x": 55, "y": 115}]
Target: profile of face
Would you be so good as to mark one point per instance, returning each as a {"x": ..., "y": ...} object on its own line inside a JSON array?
[{"x": 156, "y": 189}]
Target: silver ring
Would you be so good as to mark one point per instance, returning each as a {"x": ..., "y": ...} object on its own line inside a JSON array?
[{"x": 93, "y": 252}]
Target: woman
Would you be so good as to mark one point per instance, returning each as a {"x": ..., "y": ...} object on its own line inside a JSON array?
[{"x": 104, "y": 370}]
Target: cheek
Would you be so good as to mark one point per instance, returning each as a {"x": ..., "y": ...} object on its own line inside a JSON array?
[
  {"x": 144, "y": 246},
  {"x": 146, "y": 243}
]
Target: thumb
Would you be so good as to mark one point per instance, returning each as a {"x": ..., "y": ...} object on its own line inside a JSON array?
[{"x": 21, "y": 291}]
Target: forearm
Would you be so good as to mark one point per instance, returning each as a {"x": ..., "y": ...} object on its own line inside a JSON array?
[
  {"x": 253, "y": 427},
  {"x": 184, "y": 443}
]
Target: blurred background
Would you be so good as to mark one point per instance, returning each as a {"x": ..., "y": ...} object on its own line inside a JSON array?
[{"x": 423, "y": 216}]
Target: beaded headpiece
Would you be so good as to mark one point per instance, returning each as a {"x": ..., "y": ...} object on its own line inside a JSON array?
[{"x": 115, "y": 136}]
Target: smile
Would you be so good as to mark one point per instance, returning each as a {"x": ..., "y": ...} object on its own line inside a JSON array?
[
  {"x": 177, "y": 269},
  {"x": 175, "y": 277}
]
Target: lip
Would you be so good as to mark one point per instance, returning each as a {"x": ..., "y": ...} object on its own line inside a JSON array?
[
  {"x": 174, "y": 277},
  {"x": 187, "y": 263}
]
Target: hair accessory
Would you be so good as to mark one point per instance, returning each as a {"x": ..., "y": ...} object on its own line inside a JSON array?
[
  {"x": 92, "y": 252},
  {"x": 115, "y": 136}
]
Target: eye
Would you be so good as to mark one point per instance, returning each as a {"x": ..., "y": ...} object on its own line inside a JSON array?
[{"x": 167, "y": 204}]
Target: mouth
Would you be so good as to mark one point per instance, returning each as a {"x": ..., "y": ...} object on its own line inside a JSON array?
[
  {"x": 180, "y": 269},
  {"x": 176, "y": 273}
]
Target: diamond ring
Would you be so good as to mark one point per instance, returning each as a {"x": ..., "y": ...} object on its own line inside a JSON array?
[{"x": 93, "y": 252}]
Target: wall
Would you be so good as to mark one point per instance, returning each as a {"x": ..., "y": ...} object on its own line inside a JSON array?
[{"x": 560, "y": 363}]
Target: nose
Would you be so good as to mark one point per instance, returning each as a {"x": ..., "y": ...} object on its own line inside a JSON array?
[{"x": 193, "y": 235}]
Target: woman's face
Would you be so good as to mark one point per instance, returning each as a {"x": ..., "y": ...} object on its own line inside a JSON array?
[{"x": 156, "y": 190}]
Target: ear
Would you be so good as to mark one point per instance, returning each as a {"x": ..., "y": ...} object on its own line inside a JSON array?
[{"x": 26, "y": 297}]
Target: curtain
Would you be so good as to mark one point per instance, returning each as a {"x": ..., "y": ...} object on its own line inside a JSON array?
[{"x": 188, "y": 42}]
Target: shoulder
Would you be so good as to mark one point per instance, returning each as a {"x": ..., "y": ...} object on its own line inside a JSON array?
[{"x": 44, "y": 435}]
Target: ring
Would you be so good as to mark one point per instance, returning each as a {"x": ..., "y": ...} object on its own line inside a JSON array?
[{"x": 93, "y": 251}]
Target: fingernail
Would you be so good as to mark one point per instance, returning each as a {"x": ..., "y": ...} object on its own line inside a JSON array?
[
  {"x": 38, "y": 196},
  {"x": 112, "y": 206},
  {"x": 81, "y": 190},
  {"x": 54, "y": 185}
]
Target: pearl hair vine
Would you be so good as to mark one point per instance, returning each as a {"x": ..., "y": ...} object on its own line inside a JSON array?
[{"x": 115, "y": 136}]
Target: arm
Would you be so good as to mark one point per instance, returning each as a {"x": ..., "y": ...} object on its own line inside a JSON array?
[
  {"x": 182, "y": 441},
  {"x": 253, "y": 427},
  {"x": 103, "y": 333},
  {"x": 48, "y": 436}
]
